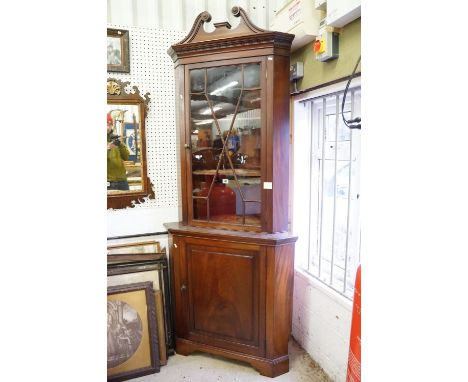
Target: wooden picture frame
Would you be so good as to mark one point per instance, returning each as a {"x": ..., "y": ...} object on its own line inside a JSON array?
[
  {"x": 121, "y": 98},
  {"x": 135, "y": 248},
  {"x": 125, "y": 269},
  {"x": 158, "y": 298},
  {"x": 132, "y": 336},
  {"x": 118, "y": 58}
]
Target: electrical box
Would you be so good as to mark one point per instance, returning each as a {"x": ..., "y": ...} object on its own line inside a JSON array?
[
  {"x": 296, "y": 71},
  {"x": 326, "y": 43},
  {"x": 300, "y": 18},
  {"x": 342, "y": 12}
]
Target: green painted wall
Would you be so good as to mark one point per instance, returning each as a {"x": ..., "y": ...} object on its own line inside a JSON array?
[{"x": 316, "y": 72}]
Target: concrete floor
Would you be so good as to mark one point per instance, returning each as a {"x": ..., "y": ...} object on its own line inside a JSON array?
[{"x": 200, "y": 367}]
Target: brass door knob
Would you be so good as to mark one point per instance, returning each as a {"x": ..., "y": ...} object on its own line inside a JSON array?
[{"x": 183, "y": 287}]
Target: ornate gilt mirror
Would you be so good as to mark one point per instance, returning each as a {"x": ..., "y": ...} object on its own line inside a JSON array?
[{"x": 127, "y": 179}]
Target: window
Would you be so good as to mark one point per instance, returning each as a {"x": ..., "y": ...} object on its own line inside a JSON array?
[{"x": 326, "y": 186}]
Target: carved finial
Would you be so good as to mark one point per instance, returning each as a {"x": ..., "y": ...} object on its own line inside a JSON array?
[
  {"x": 239, "y": 12},
  {"x": 202, "y": 18},
  {"x": 117, "y": 87},
  {"x": 223, "y": 30},
  {"x": 147, "y": 99},
  {"x": 113, "y": 88},
  {"x": 205, "y": 16}
]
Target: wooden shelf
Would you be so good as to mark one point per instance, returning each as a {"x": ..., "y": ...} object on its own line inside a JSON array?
[
  {"x": 239, "y": 172},
  {"x": 250, "y": 220}
]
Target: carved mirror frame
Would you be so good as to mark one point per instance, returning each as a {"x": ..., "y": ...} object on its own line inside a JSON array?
[{"x": 117, "y": 94}]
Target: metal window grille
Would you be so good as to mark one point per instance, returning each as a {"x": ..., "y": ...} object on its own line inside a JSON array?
[{"x": 329, "y": 178}]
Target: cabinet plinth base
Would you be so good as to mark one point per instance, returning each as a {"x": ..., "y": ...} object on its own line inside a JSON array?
[{"x": 267, "y": 367}]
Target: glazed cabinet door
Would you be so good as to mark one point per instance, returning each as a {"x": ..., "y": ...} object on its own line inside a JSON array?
[
  {"x": 221, "y": 290},
  {"x": 226, "y": 107}
]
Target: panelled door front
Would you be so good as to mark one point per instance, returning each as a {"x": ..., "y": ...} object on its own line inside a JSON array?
[{"x": 225, "y": 294}]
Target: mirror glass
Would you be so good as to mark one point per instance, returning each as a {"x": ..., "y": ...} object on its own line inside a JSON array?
[
  {"x": 127, "y": 180},
  {"x": 124, "y": 162}
]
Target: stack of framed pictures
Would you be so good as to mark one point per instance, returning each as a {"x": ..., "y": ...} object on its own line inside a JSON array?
[{"x": 137, "y": 264}]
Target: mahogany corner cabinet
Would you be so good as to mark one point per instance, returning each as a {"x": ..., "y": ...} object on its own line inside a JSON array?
[{"x": 231, "y": 256}]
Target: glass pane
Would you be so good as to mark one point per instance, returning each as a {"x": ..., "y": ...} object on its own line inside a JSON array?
[
  {"x": 338, "y": 277},
  {"x": 341, "y": 214},
  {"x": 252, "y": 76},
  {"x": 248, "y": 127},
  {"x": 225, "y": 137},
  {"x": 197, "y": 80},
  {"x": 330, "y": 119},
  {"x": 224, "y": 81},
  {"x": 202, "y": 135},
  {"x": 248, "y": 200},
  {"x": 124, "y": 162},
  {"x": 344, "y": 133},
  {"x": 246, "y": 158},
  {"x": 327, "y": 218}
]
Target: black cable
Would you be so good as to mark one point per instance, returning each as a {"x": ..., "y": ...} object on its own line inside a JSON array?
[{"x": 354, "y": 123}]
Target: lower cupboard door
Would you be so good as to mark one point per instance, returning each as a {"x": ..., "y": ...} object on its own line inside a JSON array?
[{"x": 226, "y": 295}]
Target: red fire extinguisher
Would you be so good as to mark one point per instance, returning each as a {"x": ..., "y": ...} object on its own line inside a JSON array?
[{"x": 354, "y": 357}]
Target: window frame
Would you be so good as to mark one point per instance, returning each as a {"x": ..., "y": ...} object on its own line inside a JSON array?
[{"x": 304, "y": 157}]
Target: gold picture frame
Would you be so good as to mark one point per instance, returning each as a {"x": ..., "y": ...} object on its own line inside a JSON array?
[{"x": 132, "y": 337}]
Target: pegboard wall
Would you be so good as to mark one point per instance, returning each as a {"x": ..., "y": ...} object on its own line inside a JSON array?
[{"x": 152, "y": 70}]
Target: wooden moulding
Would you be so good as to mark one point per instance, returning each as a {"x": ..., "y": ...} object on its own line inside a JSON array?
[
  {"x": 267, "y": 367},
  {"x": 269, "y": 239},
  {"x": 245, "y": 36}
]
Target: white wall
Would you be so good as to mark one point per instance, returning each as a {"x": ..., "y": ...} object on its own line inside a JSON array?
[
  {"x": 151, "y": 70},
  {"x": 322, "y": 324}
]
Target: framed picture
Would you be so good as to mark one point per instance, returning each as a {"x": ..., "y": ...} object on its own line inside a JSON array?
[
  {"x": 118, "y": 59},
  {"x": 132, "y": 339},
  {"x": 158, "y": 298},
  {"x": 135, "y": 248},
  {"x": 125, "y": 269}
]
